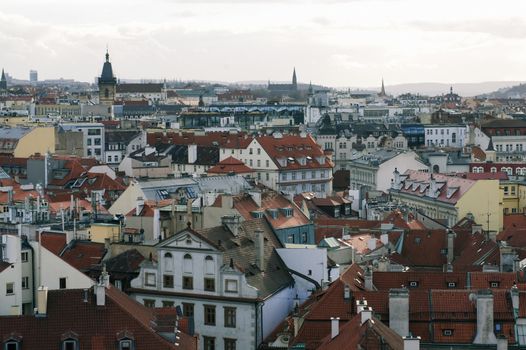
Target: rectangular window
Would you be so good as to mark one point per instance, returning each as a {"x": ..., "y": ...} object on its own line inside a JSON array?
[
  {"x": 188, "y": 309},
  {"x": 230, "y": 317},
  {"x": 267, "y": 163},
  {"x": 168, "y": 303},
  {"x": 231, "y": 286},
  {"x": 25, "y": 282},
  {"x": 230, "y": 344},
  {"x": 25, "y": 256},
  {"x": 168, "y": 281},
  {"x": 209, "y": 343},
  {"x": 69, "y": 345},
  {"x": 210, "y": 315},
  {"x": 93, "y": 131},
  {"x": 149, "y": 279},
  {"x": 210, "y": 284},
  {"x": 62, "y": 283},
  {"x": 97, "y": 141},
  {"x": 188, "y": 282},
  {"x": 149, "y": 303}
]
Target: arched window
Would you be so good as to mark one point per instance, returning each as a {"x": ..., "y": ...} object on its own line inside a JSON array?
[
  {"x": 168, "y": 262},
  {"x": 493, "y": 169},
  {"x": 187, "y": 264},
  {"x": 70, "y": 344},
  {"x": 12, "y": 343},
  {"x": 126, "y": 344},
  {"x": 209, "y": 265}
]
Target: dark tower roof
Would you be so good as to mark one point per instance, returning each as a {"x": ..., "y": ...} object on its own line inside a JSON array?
[
  {"x": 3, "y": 81},
  {"x": 294, "y": 79},
  {"x": 490, "y": 145},
  {"x": 382, "y": 92},
  {"x": 3, "y": 75},
  {"x": 107, "y": 72}
]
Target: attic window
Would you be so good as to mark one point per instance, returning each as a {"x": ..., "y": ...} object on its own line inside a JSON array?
[
  {"x": 494, "y": 284},
  {"x": 418, "y": 240},
  {"x": 451, "y": 284},
  {"x": 451, "y": 191},
  {"x": 413, "y": 284},
  {"x": 447, "y": 332}
]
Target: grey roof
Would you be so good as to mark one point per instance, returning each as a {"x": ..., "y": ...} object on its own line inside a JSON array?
[
  {"x": 120, "y": 136},
  {"x": 241, "y": 250},
  {"x": 107, "y": 72},
  {"x": 13, "y": 133},
  {"x": 233, "y": 184},
  {"x": 3, "y": 174},
  {"x": 146, "y": 88},
  {"x": 377, "y": 157},
  {"x": 158, "y": 190}
]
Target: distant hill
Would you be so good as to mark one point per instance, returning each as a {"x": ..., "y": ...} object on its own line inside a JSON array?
[
  {"x": 517, "y": 91},
  {"x": 435, "y": 89}
]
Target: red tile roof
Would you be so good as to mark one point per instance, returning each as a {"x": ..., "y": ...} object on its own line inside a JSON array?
[
  {"x": 230, "y": 165},
  {"x": 100, "y": 325},
  {"x": 221, "y": 139},
  {"x": 83, "y": 255}
]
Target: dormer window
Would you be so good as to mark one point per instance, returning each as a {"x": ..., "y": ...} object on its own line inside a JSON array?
[
  {"x": 447, "y": 332},
  {"x": 413, "y": 284},
  {"x": 126, "y": 344},
  {"x": 70, "y": 344},
  {"x": 494, "y": 284},
  {"x": 11, "y": 345},
  {"x": 451, "y": 284}
]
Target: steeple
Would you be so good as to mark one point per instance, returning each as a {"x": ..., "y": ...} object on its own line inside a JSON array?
[
  {"x": 382, "y": 92},
  {"x": 107, "y": 83},
  {"x": 311, "y": 91},
  {"x": 3, "y": 81},
  {"x": 294, "y": 79}
]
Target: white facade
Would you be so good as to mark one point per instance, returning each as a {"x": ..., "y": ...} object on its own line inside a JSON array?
[
  {"x": 94, "y": 143},
  {"x": 445, "y": 135}
]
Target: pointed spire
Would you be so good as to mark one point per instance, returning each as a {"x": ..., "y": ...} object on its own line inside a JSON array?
[
  {"x": 107, "y": 54},
  {"x": 310, "y": 88},
  {"x": 490, "y": 145},
  {"x": 382, "y": 92},
  {"x": 3, "y": 75},
  {"x": 294, "y": 79}
]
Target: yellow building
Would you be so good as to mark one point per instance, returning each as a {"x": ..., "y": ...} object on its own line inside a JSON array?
[
  {"x": 24, "y": 141},
  {"x": 450, "y": 198},
  {"x": 513, "y": 195},
  {"x": 99, "y": 232}
]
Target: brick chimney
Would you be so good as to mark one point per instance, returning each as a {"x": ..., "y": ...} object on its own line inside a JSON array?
[
  {"x": 399, "y": 311},
  {"x": 485, "y": 334},
  {"x": 450, "y": 246}
]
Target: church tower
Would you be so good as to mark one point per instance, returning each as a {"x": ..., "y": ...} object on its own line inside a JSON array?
[
  {"x": 382, "y": 92},
  {"x": 3, "y": 81},
  {"x": 294, "y": 80},
  {"x": 107, "y": 83}
]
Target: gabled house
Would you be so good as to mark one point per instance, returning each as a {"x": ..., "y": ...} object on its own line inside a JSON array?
[{"x": 231, "y": 283}]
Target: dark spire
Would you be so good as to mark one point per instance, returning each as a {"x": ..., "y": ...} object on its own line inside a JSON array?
[
  {"x": 490, "y": 145},
  {"x": 3, "y": 75},
  {"x": 310, "y": 88},
  {"x": 107, "y": 72},
  {"x": 382, "y": 92},
  {"x": 3, "y": 81},
  {"x": 294, "y": 79}
]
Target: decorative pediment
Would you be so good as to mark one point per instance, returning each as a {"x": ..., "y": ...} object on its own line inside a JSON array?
[{"x": 188, "y": 239}]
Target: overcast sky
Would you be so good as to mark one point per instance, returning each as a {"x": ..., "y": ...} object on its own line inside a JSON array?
[{"x": 330, "y": 42}]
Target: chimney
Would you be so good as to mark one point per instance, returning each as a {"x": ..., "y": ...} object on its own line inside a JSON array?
[
  {"x": 192, "y": 154},
  {"x": 100, "y": 294},
  {"x": 399, "y": 311},
  {"x": 139, "y": 204},
  {"x": 411, "y": 343},
  {"x": 42, "y": 301},
  {"x": 335, "y": 327},
  {"x": 384, "y": 264},
  {"x": 476, "y": 228},
  {"x": 366, "y": 314},
  {"x": 227, "y": 202},
  {"x": 450, "y": 248},
  {"x": 256, "y": 196},
  {"x": 515, "y": 297},
  {"x": 371, "y": 243},
  {"x": 360, "y": 305},
  {"x": 260, "y": 250},
  {"x": 384, "y": 238},
  {"x": 232, "y": 222},
  {"x": 485, "y": 334},
  {"x": 502, "y": 342},
  {"x": 368, "y": 278}
]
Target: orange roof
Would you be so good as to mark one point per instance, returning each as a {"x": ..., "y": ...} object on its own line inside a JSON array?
[{"x": 230, "y": 165}]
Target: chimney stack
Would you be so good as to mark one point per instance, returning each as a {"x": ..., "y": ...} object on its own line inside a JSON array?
[
  {"x": 100, "y": 294},
  {"x": 360, "y": 305},
  {"x": 335, "y": 327},
  {"x": 399, "y": 311},
  {"x": 450, "y": 247},
  {"x": 139, "y": 204},
  {"x": 515, "y": 297},
  {"x": 368, "y": 278},
  {"x": 411, "y": 343},
  {"x": 260, "y": 250},
  {"x": 42, "y": 301},
  {"x": 232, "y": 222},
  {"x": 485, "y": 334},
  {"x": 346, "y": 292},
  {"x": 366, "y": 314}
]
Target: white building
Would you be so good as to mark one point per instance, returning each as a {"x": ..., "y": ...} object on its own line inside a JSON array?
[
  {"x": 445, "y": 135},
  {"x": 230, "y": 281},
  {"x": 94, "y": 140}
]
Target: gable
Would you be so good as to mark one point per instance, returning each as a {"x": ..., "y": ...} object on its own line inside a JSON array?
[{"x": 188, "y": 239}]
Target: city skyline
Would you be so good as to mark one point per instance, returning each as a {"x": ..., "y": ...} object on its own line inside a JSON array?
[{"x": 337, "y": 43}]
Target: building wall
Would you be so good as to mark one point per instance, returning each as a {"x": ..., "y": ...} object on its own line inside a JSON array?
[
  {"x": 69, "y": 143},
  {"x": 442, "y": 135},
  {"x": 403, "y": 162},
  {"x": 296, "y": 234},
  {"x": 11, "y": 304},
  {"x": 127, "y": 199},
  {"x": 38, "y": 140},
  {"x": 483, "y": 199},
  {"x": 276, "y": 308},
  {"x": 99, "y": 232}
]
